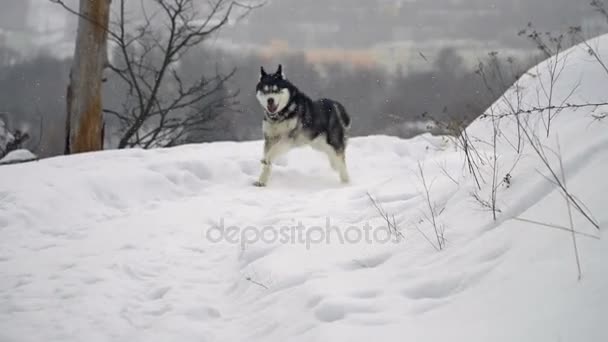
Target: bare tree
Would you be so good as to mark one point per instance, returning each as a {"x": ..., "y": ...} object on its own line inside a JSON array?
[
  {"x": 162, "y": 105},
  {"x": 84, "y": 104}
]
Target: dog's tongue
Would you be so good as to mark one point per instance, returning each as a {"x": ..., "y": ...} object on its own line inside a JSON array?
[{"x": 272, "y": 108}]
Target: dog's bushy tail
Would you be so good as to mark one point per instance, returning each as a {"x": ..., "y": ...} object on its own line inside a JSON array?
[{"x": 343, "y": 115}]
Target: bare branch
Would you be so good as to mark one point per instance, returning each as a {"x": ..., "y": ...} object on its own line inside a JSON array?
[
  {"x": 539, "y": 149},
  {"x": 163, "y": 106},
  {"x": 391, "y": 225},
  {"x": 555, "y": 226},
  {"x": 432, "y": 217}
]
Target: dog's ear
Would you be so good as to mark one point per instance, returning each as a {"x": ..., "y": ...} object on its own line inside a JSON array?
[
  {"x": 262, "y": 72},
  {"x": 280, "y": 71}
]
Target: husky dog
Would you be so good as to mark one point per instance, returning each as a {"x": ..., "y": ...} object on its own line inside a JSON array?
[{"x": 292, "y": 119}]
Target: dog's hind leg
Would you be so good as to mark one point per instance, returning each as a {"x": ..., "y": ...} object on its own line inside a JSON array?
[
  {"x": 341, "y": 167},
  {"x": 272, "y": 149},
  {"x": 337, "y": 160},
  {"x": 335, "y": 154}
]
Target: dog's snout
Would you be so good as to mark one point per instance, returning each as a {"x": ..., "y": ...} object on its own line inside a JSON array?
[{"x": 270, "y": 101}]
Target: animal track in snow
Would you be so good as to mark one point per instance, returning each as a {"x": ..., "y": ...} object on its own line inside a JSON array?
[
  {"x": 202, "y": 312},
  {"x": 3, "y": 222},
  {"x": 127, "y": 247},
  {"x": 492, "y": 255},
  {"x": 254, "y": 253},
  {"x": 330, "y": 312},
  {"x": 395, "y": 197},
  {"x": 43, "y": 247},
  {"x": 426, "y": 305},
  {"x": 159, "y": 311},
  {"x": 23, "y": 280},
  {"x": 367, "y": 262},
  {"x": 194, "y": 249},
  {"x": 314, "y": 301},
  {"x": 158, "y": 293},
  {"x": 89, "y": 280},
  {"x": 335, "y": 310},
  {"x": 435, "y": 289},
  {"x": 293, "y": 281},
  {"x": 443, "y": 287},
  {"x": 250, "y": 167}
]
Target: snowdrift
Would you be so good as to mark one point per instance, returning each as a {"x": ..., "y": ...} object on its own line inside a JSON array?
[{"x": 176, "y": 245}]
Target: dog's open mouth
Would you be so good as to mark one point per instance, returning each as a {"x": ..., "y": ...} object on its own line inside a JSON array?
[{"x": 272, "y": 108}]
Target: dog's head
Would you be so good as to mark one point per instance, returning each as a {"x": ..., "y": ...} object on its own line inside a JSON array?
[{"x": 272, "y": 91}]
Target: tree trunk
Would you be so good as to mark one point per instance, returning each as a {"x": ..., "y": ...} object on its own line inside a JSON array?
[{"x": 84, "y": 105}]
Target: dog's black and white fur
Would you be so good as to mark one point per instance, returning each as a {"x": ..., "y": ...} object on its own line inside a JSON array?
[{"x": 292, "y": 119}]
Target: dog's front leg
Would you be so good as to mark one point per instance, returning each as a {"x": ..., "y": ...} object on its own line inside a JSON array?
[{"x": 272, "y": 149}]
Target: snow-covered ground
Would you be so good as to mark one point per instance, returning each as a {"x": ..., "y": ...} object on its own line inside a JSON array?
[{"x": 129, "y": 246}]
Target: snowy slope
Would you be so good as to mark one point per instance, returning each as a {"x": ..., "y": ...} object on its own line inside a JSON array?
[{"x": 121, "y": 245}]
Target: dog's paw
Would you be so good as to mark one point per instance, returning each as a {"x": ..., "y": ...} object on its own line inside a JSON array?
[{"x": 259, "y": 184}]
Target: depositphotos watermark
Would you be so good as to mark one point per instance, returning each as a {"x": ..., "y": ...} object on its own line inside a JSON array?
[{"x": 301, "y": 234}]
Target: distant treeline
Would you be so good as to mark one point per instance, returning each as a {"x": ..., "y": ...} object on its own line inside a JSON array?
[{"x": 32, "y": 93}]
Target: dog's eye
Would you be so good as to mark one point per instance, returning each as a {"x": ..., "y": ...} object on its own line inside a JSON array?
[
  {"x": 275, "y": 88},
  {"x": 266, "y": 88}
]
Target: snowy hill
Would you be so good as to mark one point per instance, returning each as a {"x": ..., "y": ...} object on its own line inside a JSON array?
[{"x": 144, "y": 245}]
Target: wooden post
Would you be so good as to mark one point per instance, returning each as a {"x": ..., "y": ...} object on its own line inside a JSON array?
[{"x": 84, "y": 105}]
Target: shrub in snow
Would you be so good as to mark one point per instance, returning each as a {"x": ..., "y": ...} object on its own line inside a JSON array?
[
  {"x": 18, "y": 156},
  {"x": 5, "y": 137}
]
